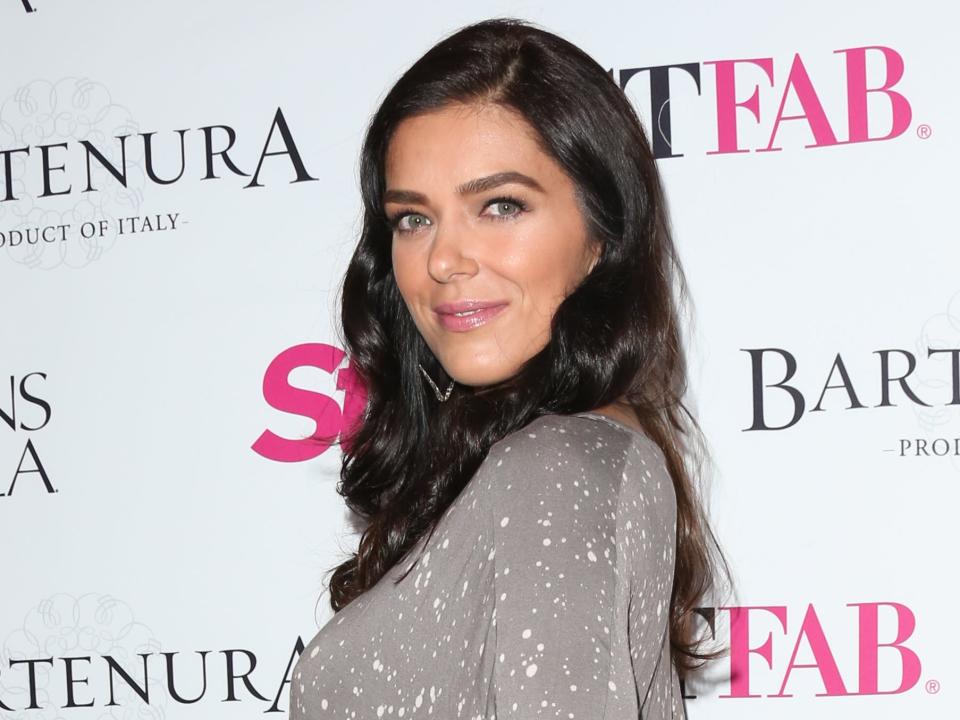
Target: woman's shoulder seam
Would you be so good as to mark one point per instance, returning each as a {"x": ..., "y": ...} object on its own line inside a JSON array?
[{"x": 556, "y": 431}]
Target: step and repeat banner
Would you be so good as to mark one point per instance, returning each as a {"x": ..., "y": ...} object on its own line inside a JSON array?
[{"x": 179, "y": 202}]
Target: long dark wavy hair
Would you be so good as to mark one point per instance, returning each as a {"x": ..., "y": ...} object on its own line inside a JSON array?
[{"x": 617, "y": 336}]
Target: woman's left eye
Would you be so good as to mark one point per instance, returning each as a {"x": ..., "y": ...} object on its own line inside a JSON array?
[{"x": 503, "y": 206}]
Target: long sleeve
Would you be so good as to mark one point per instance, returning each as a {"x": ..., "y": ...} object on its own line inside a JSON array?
[{"x": 583, "y": 525}]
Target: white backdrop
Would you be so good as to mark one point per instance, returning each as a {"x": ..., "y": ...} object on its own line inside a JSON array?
[{"x": 158, "y": 330}]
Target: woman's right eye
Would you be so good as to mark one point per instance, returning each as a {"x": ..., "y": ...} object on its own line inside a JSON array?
[{"x": 414, "y": 221}]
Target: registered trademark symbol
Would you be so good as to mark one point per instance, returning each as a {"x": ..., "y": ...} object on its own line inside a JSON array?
[
  {"x": 924, "y": 131},
  {"x": 932, "y": 687}
]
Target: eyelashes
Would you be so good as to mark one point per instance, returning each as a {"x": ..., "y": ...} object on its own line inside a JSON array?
[{"x": 396, "y": 217}]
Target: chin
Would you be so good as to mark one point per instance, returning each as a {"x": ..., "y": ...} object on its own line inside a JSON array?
[{"x": 479, "y": 376}]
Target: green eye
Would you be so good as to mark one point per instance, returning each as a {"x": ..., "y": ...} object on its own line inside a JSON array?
[
  {"x": 501, "y": 205},
  {"x": 396, "y": 221},
  {"x": 507, "y": 202}
]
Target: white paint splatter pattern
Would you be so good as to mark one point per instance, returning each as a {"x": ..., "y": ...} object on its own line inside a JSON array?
[{"x": 543, "y": 594}]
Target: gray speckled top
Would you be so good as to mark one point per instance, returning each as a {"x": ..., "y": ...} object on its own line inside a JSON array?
[{"x": 544, "y": 593}]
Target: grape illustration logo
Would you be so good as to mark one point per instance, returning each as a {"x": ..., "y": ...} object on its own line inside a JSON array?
[
  {"x": 45, "y": 660},
  {"x": 47, "y": 227}
]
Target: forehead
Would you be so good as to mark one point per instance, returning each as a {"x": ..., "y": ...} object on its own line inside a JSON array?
[{"x": 461, "y": 142}]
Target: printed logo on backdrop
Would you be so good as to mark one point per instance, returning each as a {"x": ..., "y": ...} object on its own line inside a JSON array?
[
  {"x": 47, "y": 219},
  {"x": 27, "y": 6},
  {"x": 70, "y": 649},
  {"x": 75, "y": 169},
  {"x": 330, "y": 419},
  {"x": 25, "y": 412},
  {"x": 925, "y": 378},
  {"x": 74, "y": 653},
  {"x": 776, "y": 651},
  {"x": 767, "y": 104}
]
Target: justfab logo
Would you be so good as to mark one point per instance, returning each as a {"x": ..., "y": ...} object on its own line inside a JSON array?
[
  {"x": 761, "y": 104},
  {"x": 27, "y": 6},
  {"x": 781, "y": 652}
]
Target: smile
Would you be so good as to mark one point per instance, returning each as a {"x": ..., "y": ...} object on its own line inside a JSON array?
[{"x": 469, "y": 319}]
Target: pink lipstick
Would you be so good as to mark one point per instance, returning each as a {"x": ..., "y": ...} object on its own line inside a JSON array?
[{"x": 466, "y": 315}]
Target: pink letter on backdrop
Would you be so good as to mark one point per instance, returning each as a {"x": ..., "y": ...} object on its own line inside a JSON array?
[
  {"x": 813, "y": 112},
  {"x": 354, "y": 402},
  {"x": 740, "y": 647},
  {"x": 279, "y": 394},
  {"x": 857, "y": 93},
  {"x": 822, "y": 657},
  {"x": 727, "y": 101},
  {"x": 870, "y": 645}
]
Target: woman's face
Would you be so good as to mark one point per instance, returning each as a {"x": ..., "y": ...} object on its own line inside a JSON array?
[{"x": 480, "y": 213}]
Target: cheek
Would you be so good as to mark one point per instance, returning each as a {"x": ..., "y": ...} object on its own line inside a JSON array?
[
  {"x": 404, "y": 271},
  {"x": 545, "y": 265}
]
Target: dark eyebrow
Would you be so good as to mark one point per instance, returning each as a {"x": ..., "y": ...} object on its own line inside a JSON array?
[{"x": 471, "y": 187}]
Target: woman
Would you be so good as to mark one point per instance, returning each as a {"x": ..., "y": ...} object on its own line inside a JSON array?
[{"x": 534, "y": 544}]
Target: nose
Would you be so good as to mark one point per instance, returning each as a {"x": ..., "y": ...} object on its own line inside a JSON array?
[{"x": 451, "y": 253}]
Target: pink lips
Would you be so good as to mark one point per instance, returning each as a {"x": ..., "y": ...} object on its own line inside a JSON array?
[{"x": 480, "y": 312}]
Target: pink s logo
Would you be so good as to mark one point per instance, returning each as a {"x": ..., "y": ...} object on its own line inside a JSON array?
[{"x": 329, "y": 419}]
